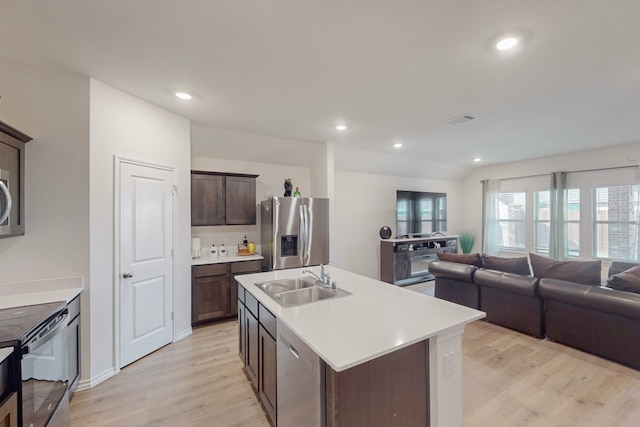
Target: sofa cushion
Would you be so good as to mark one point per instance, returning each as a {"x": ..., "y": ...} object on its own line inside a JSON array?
[
  {"x": 628, "y": 280},
  {"x": 518, "y": 265},
  {"x": 471, "y": 259},
  {"x": 583, "y": 272}
]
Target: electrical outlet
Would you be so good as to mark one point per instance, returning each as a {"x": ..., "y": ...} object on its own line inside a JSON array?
[{"x": 448, "y": 364}]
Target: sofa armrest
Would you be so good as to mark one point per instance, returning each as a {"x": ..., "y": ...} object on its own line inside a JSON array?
[
  {"x": 598, "y": 298},
  {"x": 516, "y": 283},
  {"x": 452, "y": 270}
]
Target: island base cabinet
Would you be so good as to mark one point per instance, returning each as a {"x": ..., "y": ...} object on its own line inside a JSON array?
[
  {"x": 389, "y": 391},
  {"x": 251, "y": 350},
  {"x": 9, "y": 411},
  {"x": 267, "y": 373}
]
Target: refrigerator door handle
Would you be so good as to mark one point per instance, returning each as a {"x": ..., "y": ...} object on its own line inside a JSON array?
[{"x": 304, "y": 234}]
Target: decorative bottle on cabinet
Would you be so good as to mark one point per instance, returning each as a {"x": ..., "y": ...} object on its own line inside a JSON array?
[
  {"x": 296, "y": 193},
  {"x": 287, "y": 187}
]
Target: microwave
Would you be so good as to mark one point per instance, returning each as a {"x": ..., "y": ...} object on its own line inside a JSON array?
[{"x": 12, "y": 143}]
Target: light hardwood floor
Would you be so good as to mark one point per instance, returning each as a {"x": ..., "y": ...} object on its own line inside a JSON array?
[{"x": 510, "y": 379}]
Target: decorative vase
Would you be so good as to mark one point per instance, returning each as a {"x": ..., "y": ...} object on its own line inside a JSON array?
[{"x": 287, "y": 187}]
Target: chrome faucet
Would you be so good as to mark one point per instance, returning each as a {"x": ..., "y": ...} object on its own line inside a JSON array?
[{"x": 324, "y": 279}]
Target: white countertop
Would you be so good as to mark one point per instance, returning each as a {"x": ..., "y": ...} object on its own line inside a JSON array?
[
  {"x": 5, "y": 352},
  {"x": 208, "y": 259},
  {"x": 377, "y": 319},
  {"x": 16, "y": 294}
]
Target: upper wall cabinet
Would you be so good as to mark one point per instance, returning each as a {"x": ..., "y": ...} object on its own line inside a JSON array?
[
  {"x": 222, "y": 198},
  {"x": 11, "y": 181}
]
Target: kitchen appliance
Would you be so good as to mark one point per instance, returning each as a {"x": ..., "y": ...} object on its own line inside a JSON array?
[
  {"x": 195, "y": 247},
  {"x": 6, "y": 201},
  {"x": 295, "y": 232},
  {"x": 39, "y": 335},
  {"x": 301, "y": 388}
]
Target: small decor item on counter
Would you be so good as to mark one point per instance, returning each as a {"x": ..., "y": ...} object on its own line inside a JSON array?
[
  {"x": 223, "y": 251},
  {"x": 296, "y": 193},
  {"x": 287, "y": 187},
  {"x": 214, "y": 250},
  {"x": 252, "y": 248}
]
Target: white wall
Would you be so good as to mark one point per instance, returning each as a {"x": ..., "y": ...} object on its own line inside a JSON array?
[
  {"x": 129, "y": 127},
  {"x": 53, "y": 108},
  {"x": 622, "y": 155},
  {"x": 365, "y": 202}
]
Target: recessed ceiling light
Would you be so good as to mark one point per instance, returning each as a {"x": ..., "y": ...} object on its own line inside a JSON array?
[
  {"x": 477, "y": 159},
  {"x": 397, "y": 145},
  {"x": 341, "y": 127},
  {"x": 507, "y": 43},
  {"x": 183, "y": 95}
]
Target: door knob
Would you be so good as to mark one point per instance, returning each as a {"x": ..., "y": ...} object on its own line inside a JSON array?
[{"x": 127, "y": 275}]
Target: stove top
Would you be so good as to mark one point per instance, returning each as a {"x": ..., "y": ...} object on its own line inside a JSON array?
[{"x": 17, "y": 322}]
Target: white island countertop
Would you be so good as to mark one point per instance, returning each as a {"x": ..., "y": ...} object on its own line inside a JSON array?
[
  {"x": 17, "y": 294},
  {"x": 377, "y": 319}
]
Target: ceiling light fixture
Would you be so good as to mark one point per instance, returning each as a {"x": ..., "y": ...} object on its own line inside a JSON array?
[
  {"x": 183, "y": 95},
  {"x": 477, "y": 159},
  {"x": 507, "y": 43},
  {"x": 397, "y": 145},
  {"x": 341, "y": 127}
]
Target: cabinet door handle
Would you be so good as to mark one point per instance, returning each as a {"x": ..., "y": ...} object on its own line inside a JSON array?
[
  {"x": 294, "y": 352},
  {"x": 127, "y": 275}
]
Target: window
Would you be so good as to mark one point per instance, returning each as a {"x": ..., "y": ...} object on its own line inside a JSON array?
[
  {"x": 572, "y": 222},
  {"x": 512, "y": 219},
  {"x": 615, "y": 210}
]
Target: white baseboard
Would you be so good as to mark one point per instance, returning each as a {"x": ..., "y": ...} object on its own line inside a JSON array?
[
  {"x": 183, "y": 334},
  {"x": 92, "y": 382}
]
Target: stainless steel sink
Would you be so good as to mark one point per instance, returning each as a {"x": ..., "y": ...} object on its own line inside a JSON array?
[
  {"x": 286, "y": 285},
  {"x": 298, "y": 291}
]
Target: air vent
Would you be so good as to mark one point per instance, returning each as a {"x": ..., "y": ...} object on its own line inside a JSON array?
[{"x": 460, "y": 119}]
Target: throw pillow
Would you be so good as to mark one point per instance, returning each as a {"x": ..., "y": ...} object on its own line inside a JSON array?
[
  {"x": 584, "y": 272},
  {"x": 471, "y": 259},
  {"x": 628, "y": 280},
  {"x": 518, "y": 265}
]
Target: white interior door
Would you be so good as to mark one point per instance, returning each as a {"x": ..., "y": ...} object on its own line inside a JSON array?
[{"x": 146, "y": 264}]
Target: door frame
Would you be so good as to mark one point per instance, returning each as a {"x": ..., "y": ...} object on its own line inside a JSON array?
[{"x": 118, "y": 161}]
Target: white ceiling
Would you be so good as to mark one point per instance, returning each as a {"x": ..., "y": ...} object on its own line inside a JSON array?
[{"x": 391, "y": 70}]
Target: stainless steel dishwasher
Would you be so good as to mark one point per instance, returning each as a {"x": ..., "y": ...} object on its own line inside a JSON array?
[{"x": 300, "y": 382}]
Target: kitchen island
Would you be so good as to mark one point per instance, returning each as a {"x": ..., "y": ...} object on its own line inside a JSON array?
[{"x": 375, "y": 323}]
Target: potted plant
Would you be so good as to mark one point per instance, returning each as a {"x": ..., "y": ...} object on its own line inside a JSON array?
[{"x": 466, "y": 241}]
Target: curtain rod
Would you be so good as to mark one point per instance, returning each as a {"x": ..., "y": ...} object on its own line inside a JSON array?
[{"x": 576, "y": 171}]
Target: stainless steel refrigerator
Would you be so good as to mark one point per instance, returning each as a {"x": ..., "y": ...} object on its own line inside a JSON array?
[{"x": 295, "y": 232}]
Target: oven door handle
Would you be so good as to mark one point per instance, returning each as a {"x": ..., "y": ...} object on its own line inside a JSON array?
[
  {"x": 7, "y": 195},
  {"x": 38, "y": 341}
]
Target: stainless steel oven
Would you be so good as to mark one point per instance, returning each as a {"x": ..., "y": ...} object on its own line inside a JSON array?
[{"x": 45, "y": 373}]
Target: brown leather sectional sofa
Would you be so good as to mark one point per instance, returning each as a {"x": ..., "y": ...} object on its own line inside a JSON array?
[{"x": 595, "y": 319}]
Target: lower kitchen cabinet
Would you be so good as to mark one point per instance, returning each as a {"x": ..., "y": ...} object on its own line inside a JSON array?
[
  {"x": 214, "y": 290},
  {"x": 8, "y": 393},
  {"x": 9, "y": 411},
  {"x": 73, "y": 343},
  {"x": 257, "y": 349}
]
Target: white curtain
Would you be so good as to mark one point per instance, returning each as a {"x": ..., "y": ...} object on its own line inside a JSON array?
[
  {"x": 558, "y": 232},
  {"x": 491, "y": 231}
]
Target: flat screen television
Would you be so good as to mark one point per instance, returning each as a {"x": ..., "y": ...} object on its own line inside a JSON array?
[{"x": 420, "y": 214}]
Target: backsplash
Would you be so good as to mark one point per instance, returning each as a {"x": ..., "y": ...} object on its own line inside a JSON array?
[{"x": 230, "y": 238}]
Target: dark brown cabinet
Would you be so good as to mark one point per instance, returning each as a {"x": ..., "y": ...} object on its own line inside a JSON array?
[
  {"x": 73, "y": 344},
  {"x": 257, "y": 349},
  {"x": 267, "y": 378},
  {"x": 9, "y": 411},
  {"x": 8, "y": 395},
  {"x": 12, "y": 180},
  {"x": 214, "y": 290},
  {"x": 222, "y": 198}
]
